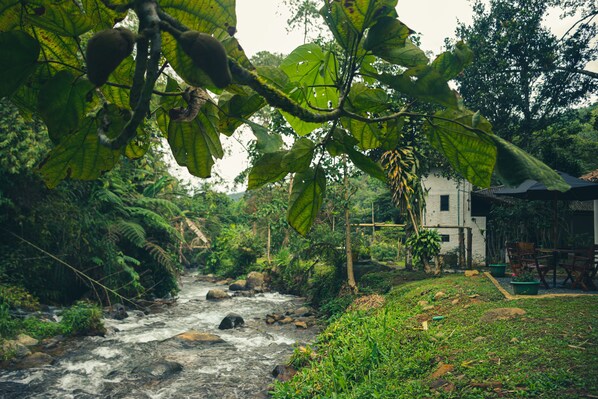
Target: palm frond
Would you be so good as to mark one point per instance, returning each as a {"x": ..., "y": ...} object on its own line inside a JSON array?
[
  {"x": 161, "y": 256},
  {"x": 132, "y": 231}
]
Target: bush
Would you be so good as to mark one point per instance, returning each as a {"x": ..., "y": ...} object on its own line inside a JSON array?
[
  {"x": 8, "y": 326},
  {"x": 384, "y": 251},
  {"x": 40, "y": 329},
  {"x": 424, "y": 246},
  {"x": 83, "y": 318}
]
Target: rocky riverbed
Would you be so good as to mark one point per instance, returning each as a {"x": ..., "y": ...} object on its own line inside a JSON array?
[{"x": 177, "y": 351}]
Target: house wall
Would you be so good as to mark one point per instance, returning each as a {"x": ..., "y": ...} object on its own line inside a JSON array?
[{"x": 458, "y": 214}]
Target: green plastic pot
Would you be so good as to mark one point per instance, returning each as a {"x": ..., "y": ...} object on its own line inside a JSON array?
[
  {"x": 498, "y": 269},
  {"x": 525, "y": 287}
]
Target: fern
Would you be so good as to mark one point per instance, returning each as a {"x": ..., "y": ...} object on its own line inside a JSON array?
[
  {"x": 161, "y": 256},
  {"x": 154, "y": 220},
  {"x": 132, "y": 231},
  {"x": 158, "y": 204}
]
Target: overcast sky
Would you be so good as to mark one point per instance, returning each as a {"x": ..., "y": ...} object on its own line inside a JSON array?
[{"x": 261, "y": 25}]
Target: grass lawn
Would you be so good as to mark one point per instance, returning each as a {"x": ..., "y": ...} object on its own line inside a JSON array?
[{"x": 550, "y": 351}]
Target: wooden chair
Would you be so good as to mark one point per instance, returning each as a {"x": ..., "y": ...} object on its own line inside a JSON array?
[
  {"x": 531, "y": 260},
  {"x": 514, "y": 259},
  {"x": 581, "y": 269}
]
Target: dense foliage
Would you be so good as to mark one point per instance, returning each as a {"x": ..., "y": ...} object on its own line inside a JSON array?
[{"x": 334, "y": 96}]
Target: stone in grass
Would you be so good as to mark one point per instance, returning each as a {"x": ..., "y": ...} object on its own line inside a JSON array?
[
  {"x": 502, "y": 314},
  {"x": 232, "y": 320},
  {"x": 471, "y": 273}
]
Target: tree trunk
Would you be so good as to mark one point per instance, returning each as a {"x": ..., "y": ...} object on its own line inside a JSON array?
[
  {"x": 268, "y": 244},
  {"x": 350, "y": 275}
]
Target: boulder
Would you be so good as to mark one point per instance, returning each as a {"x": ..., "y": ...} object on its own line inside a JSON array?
[
  {"x": 196, "y": 337},
  {"x": 37, "y": 359},
  {"x": 239, "y": 285},
  {"x": 286, "y": 320},
  {"x": 232, "y": 320},
  {"x": 502, "y": 314},
  {"x": 283, "y": 373},
  {"x": 26, "y": 340},
  {"x": 301, "y": 324},
  {"x": 471, "y": 273},
  {"x": 159, "y": 370},
  {"x": 14, "y": 347},
  {"x": 255, "y": 281},
  {"x": 119, "y": 312},
  {"x": 303, "y": 311},
  {"x": 216, "y": 294}
]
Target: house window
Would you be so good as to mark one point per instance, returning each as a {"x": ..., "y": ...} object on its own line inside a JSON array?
[
  {"x": 445, "y": 237},
  {"x": 444, "y": 202}
]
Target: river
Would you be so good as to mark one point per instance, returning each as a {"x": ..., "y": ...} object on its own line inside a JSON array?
[{"x": 140, "y": 356}]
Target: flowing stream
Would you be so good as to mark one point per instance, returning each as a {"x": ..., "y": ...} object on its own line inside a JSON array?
[{"x": 140, "y": 358}]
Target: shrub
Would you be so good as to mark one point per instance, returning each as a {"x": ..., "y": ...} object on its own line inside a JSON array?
[
  {"x": 384, "y": 251},
  {"x": 424, "y": 246},
  {"x": 40, "y": 329},
  {"x": 83, "y": 318},
  {"x": 8, "y": 325}
]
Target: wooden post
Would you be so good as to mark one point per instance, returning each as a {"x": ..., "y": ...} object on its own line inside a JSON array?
[
  {"x": 461, "y": 248},
  {"x": 373, "y": 225},
  {"x": 469, "y": 247}
]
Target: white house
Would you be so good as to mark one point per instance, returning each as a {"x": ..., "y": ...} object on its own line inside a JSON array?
[{"x": 448, "y": 206}]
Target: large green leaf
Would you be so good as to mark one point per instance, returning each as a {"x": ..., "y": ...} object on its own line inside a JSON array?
[
  {"x": 78, "y": 156},
  {"x": 299, "y": 157},
  {"x": 312, "y": 74},
  {"x": 18, "y": 60},
  {"x": 63, "y": 18},
  {"x": 408, "y": 55},
  {"x": 267, "y": 169},
  {"x": 367, "y": 99},
  {"x": 266, "y": 141},
  {"x": 387, "y": 32},
  {"x": 182, "y": 63},
  {"x": 195, "y": 144},
  {"x": 366, "y": 164},
  {"x": 367, "y": 134},
  {"x": 357, "y": 14},
  {"x": 10, "y": 14},
  {"x": 450, "y": 63},
  {"x": 237, "y": 108},
  {"x": 341, "y": 27},
  {"x": 514, "y": 166},
  {"x": 300, "y": 127},
  {"x": 101, "y": 16},
  {"x": 123, "y": 75},
  {"x": 307, "y": 196},
  {"x": 424, "y": 83},
  {"x": 471, "y": 154},
  {"x": 62, "y": 103},
  {"x": 208, "y": 16}
]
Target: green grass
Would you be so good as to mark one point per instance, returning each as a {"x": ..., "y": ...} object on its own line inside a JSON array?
[{"x": 550, "y": 352}]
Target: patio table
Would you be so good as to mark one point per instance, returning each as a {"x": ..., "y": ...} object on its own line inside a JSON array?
[{"x": 556, "y": 254}]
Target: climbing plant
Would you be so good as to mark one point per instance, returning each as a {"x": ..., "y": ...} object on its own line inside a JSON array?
[{"x": 95, "y": 83}]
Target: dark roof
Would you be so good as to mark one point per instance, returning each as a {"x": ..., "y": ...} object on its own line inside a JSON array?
[{"x": 488, "y": 195}]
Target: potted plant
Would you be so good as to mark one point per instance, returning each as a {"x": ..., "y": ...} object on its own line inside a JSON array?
[
  {"x": 497, "y": 269},
  {"x": 525, "y": 283}
]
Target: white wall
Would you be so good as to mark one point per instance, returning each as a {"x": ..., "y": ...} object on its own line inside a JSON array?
[{"x": 459, "y": 214}]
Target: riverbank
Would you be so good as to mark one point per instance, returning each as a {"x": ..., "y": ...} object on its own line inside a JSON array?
[{"x": 453, "y": 337}]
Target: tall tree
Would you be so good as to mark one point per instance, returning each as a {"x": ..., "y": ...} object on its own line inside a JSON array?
[{"x": 523, "y": 76}]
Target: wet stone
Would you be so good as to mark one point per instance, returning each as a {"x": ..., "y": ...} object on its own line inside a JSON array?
[
  {"x": 232, "y": 320},
  {"x": 159, "y": 370},
  {"x": 37, "y": 359},
  {"x": 216, "y": 294}
]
